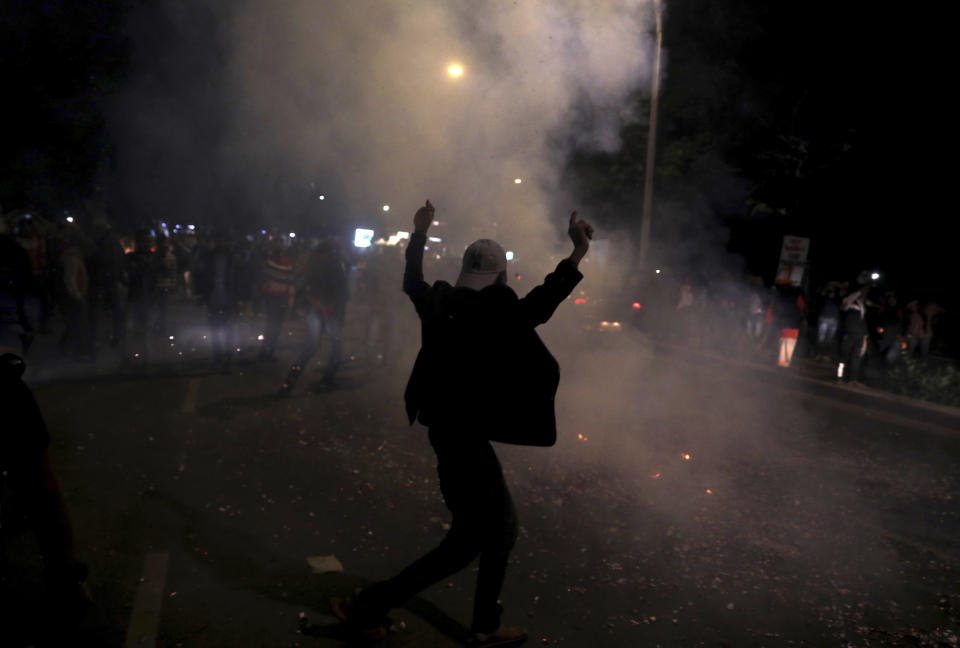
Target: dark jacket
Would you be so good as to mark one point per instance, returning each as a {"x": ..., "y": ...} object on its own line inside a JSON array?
[{"x": 482, "y": 369}]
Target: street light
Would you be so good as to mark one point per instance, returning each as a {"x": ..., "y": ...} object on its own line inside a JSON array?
[
  {"x": 455, "y": 70},
  {"x": 386, "y": 208}
]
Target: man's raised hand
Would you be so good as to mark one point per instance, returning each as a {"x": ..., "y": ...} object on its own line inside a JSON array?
[
  {"x": 423, "y": 218},
  {"x": 580, "y": 232}
]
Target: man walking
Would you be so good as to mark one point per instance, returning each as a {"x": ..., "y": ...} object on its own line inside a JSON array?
[
  {"x": 326, "y": 291},
  {"x": 459, "y": 391}
]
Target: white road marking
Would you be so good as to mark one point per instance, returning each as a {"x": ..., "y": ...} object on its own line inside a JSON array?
[
  {"x": 190, "y": 397},
  {"x": 145, "y": 617}
]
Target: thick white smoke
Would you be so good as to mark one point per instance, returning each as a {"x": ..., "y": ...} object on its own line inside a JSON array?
[{"x": 356, "y": 96}]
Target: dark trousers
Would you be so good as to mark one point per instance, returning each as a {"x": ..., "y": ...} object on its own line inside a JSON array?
[
  {"x": 484, "y": 524},
  {"x": 221, "y": 320},
  {"x": 76, "y": 336},
  {"x": 853, "y": 348},
  {"x": 915, "y": 342},
  {"x": 320, "y": 324},
  {"x": 276, "y": 307}
]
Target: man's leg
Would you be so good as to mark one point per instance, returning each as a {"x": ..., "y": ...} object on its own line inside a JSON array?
[
  {"x": 314, "y": 327},
  {"x": 334, "y": 329},
  {"x": 493, "y": 567},
  {"x": 274, "y": 306},
  {"x": 484, "y": 523}
]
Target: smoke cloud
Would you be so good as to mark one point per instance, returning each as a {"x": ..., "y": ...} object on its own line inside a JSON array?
[{"x": 249, "y": 111}]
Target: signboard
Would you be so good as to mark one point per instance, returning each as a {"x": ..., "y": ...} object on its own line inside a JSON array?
[{"x": 793, "y": 260}]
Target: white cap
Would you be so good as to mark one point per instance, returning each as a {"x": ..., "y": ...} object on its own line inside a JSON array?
[{"x": 483, "y": 261}]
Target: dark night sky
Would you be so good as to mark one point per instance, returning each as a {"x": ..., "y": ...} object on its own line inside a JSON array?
[{"x": 830, "y": 71}]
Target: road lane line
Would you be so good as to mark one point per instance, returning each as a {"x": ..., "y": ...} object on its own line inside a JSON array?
[
  {"x": 145, "y": 617},
  {"x": 189, "y": 405}
]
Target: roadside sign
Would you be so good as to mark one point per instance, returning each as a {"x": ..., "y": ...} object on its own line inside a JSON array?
[{"x": 793, "y": 260}]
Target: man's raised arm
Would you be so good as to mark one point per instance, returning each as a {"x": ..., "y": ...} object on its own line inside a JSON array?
[
  {"x": 413, "y": 283},
  {"x": 540, "y": 303}
]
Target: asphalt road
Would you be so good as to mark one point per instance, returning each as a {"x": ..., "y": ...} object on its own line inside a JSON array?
[{"x": 689, "y": 502}]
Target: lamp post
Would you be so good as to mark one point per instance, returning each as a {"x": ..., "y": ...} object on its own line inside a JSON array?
[{"x": 647, "y": 214}]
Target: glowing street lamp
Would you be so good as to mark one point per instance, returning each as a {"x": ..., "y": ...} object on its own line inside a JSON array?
[
  {"x": 386, "y": 208},
  {"x": 455, "y": 70},
  {"x": 517, "y": 180}
]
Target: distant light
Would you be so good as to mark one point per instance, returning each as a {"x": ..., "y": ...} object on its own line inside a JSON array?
[
  {"x": 403, "y": 235},
  {"x": 436, "y": 222},
  {"x": 163, "y": 224},
  {"x": 260, "y": 337},
  {"x": 69, "y": 219},
  {"x": 28, "y": 216},
  {"x": 264, "y": 232},
  {"x": 517, "y": 180},
  {"x": 455, "y": 70},
  {"x": 362, "y": 237},
  {"x": 386, "y": 208},
  {"x": 191, "y": 227},
  {"x": 171, "y": 337},
  {"x": 579, "y": 300},
  {"x": 616, "y": 325},
  {"x": 875, "y": 276},
  {"x": 293, "y": 235},
  {"x": 435, "y": 239},
  {"x": 636, "y": 305},
  {"x": 604, "y": 323},
  {"x": 177, "y": 226},
  {"x": 509, "y": 255},
  {"x": 321, "y": 197},
  {"x": 658, "y": 270}
]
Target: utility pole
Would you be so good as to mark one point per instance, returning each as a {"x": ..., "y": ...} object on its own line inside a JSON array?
[{"x": 647, "y": 214}]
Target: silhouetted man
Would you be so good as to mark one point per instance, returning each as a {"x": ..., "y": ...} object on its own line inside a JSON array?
[
  {"x": 461, "y": 391},
  {"x": 29, "y": 491}
]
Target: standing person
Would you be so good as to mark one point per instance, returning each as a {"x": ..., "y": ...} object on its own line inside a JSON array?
[
  {"x": 854, "y": 336},
  {"x": 789, "y": 311},
  {"x": 32, "y": 239},
  {"x": 828, "y": 321},
  {"x": 15, "y": 276},
  {"x": 74, "y": 286},
  {"x": 166, "y": 284},
  {"x": 459, "y": 391},
  {"x": 920, "y": 326},
  {"x": 325, "y": 292},
  {"x": 29, "y": 491},
  {"x": 142, "y": 264},
  {"x": 108, "y": 282},
  {"x": 216, "y": 284},
  {"x": 279, "y": 292},
  {"x": 889, "y": 329}
]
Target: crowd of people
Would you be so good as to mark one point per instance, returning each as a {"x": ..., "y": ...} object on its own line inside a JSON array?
[
  {"x": 848, "y": 324},
  {"x": 116, "y": 290}
]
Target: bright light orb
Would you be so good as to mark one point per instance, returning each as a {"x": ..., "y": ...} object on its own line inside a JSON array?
[
  {"x": 386, "y": 208},
  {"x": 455, "y": 70},
  {"x": 517, "y": 180}
]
